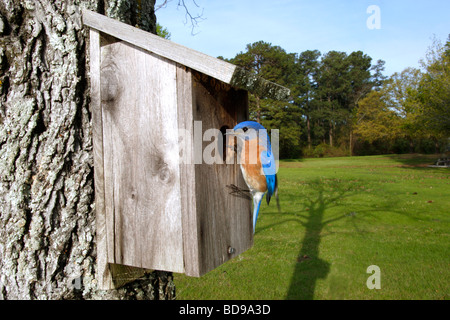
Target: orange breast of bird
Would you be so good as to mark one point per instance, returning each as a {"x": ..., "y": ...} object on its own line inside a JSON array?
[{"x": 250, "y": 161}]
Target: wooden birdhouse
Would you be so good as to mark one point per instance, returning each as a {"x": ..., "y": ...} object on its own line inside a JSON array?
[{"x": 151, "y": 102}]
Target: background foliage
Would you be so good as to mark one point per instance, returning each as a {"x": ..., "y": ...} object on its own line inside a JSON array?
[{"x": 342, "y": 104}]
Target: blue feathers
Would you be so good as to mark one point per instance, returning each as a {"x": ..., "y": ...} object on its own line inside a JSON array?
[
  {"x": 250, "y": 132},
  {"x": 269, "y": 169}
]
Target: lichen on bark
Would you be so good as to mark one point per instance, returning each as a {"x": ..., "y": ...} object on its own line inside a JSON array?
[{"x": 47, "y": 209}]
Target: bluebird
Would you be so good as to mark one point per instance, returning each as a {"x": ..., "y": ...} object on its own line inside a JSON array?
[{"x": 257, "y": 163}]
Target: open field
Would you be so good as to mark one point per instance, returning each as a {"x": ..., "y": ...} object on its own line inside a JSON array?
[{"x": 338, "y": 217}]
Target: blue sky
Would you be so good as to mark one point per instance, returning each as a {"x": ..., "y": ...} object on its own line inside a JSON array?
[{"x": 406, "y": 27}]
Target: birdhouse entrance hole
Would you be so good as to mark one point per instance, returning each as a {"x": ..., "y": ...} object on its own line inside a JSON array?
[{"x": 223, "y": 131}]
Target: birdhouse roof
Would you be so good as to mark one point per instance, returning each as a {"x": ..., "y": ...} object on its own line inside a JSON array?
[{"x": 216, "y": 68}]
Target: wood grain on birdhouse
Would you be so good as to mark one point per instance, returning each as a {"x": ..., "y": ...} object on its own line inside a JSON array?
[{"x": 142, "y": 175}]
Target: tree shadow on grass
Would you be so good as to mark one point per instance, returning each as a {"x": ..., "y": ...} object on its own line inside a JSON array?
[
  {"x": 309, "y": 267},
  {"x": 417, "y": 161}
]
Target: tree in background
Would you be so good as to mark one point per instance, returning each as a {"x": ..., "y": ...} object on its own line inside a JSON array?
[
  {"x": 325, "y": 91},
  {"x": 377, "y": 124},
  {"x": 400, "y": 88},
  {"x": 270, "y": 62},
  {"x": 303, "y": 91},
  {"x": 362, "y": 81},
  {"x": 163, "y": 32},
  {"x": 398, "y": 117},
  {"x": 332, "y": 87},
  {"x": 433, "y": 93},
  {"x": 342, "y": 80},
  {"x": 274, "y": 64}
]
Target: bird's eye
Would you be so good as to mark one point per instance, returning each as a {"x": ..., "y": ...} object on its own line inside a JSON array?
[{"x": 245, "y": 129}]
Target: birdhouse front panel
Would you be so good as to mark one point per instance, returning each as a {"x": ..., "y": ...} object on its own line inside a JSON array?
[{"x": 141, "y": 167}]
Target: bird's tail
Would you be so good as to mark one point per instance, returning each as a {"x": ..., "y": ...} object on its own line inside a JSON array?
[
  {"x": 256, "y": 204},
  {"x": 255, "y": 214}
]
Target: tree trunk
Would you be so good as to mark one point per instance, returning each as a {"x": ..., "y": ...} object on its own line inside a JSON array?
[
  {"x": 258, "y": 109},
  {"x": 350, "y": 144},
  {"x": 330, "y": 133},
  {"x": 411, "y": 145},
  {"x": 308, "y": 129},
  {"x": 47, "y": 212}
]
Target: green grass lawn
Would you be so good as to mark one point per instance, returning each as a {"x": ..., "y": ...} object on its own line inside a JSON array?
[{"x": 338, "y": 217}]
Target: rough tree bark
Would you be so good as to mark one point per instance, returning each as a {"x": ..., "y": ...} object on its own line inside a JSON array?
[{"x": 47, "y": 210}]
